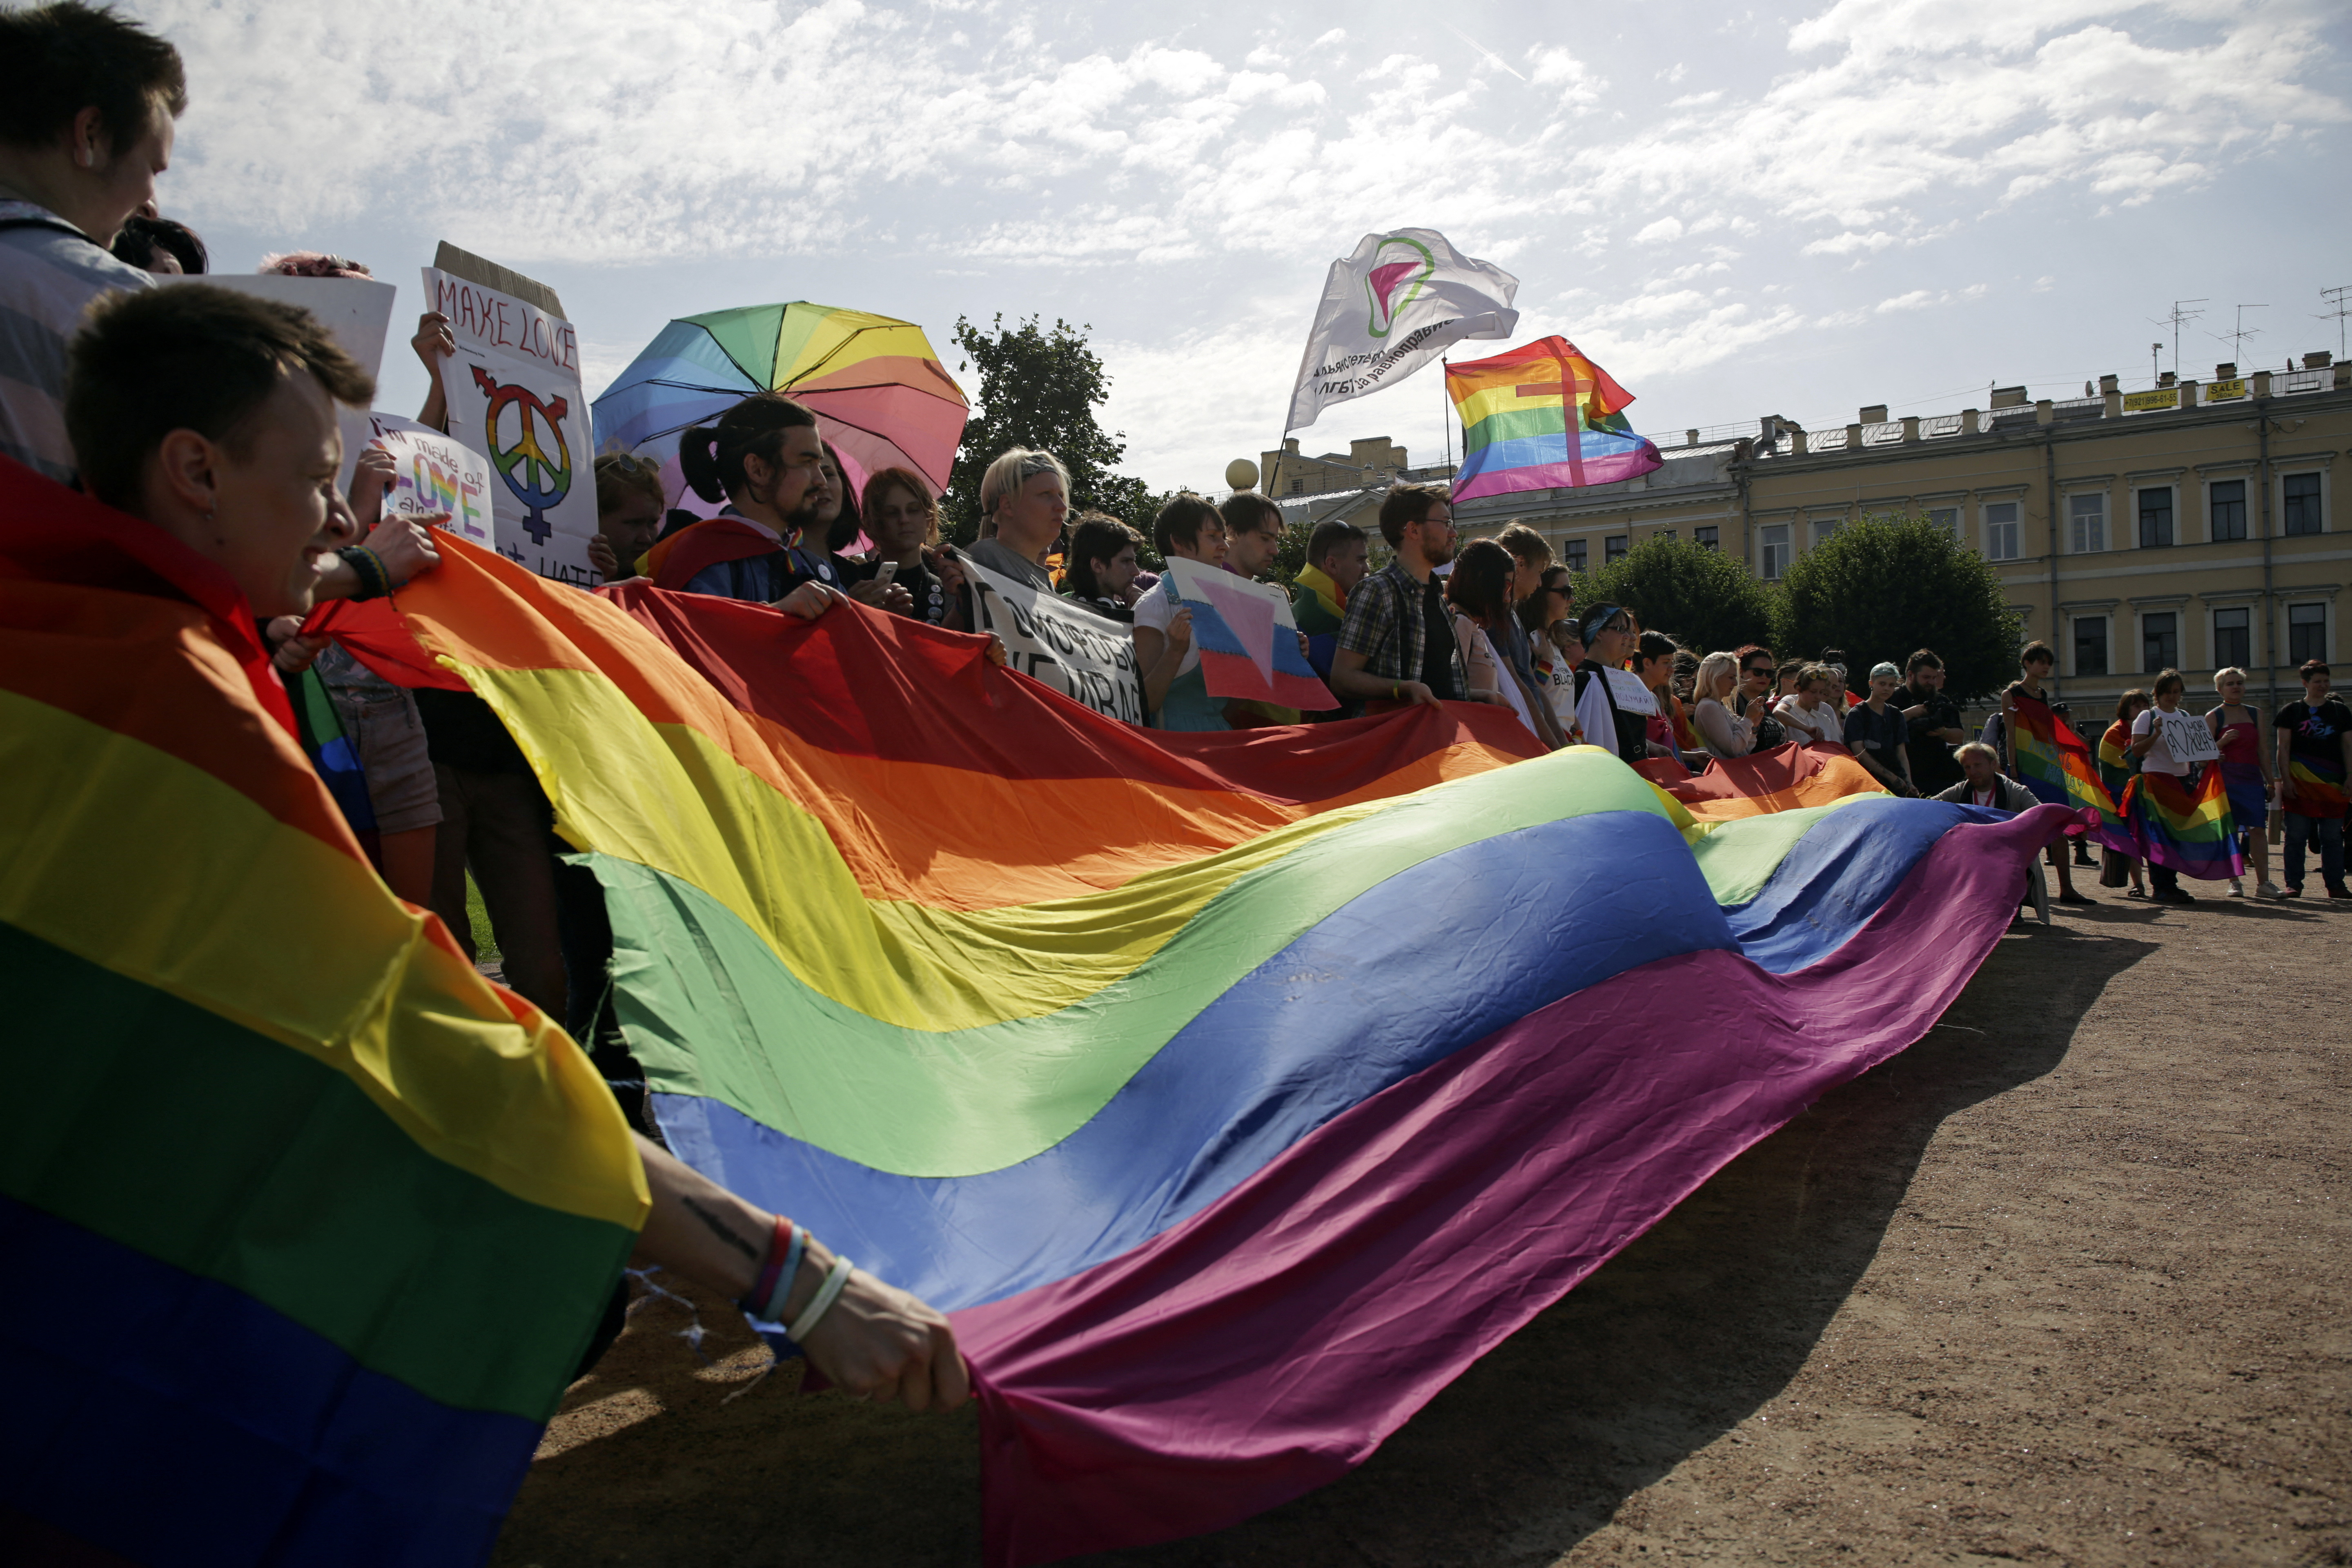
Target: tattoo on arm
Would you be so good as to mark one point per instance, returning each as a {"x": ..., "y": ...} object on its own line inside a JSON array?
[{"x": 718, "y": 1227}]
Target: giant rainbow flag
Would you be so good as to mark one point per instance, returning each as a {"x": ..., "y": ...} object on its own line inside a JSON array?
[
  {"x": 307, "y": 1224},
  {"x": 1233, "y": 1091},
  {"x": 1542, "y": 417}
]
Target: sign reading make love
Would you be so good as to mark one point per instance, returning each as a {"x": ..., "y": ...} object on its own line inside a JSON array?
[
  {"x": 514, "y": 393},
  {"x": 1070, "y": 647}
]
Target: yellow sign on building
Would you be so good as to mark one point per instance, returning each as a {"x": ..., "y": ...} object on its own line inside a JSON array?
[
  {"x": 2222, "y": 391},
  {"x": 2142, "y": 402}
]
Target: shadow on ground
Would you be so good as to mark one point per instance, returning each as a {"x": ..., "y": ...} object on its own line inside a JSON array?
[{"x": 1673, "y": 1343}]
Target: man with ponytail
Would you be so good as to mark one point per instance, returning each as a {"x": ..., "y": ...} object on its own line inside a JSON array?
[{"x": 763, "y": 458}]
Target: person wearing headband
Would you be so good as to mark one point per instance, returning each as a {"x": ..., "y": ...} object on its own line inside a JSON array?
[{"x": 1612, "y": 708}]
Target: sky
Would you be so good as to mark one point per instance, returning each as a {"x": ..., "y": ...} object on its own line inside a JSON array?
[{"x": 1735, "y": 210}]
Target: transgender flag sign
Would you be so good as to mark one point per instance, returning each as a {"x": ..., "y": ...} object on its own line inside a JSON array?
[{"x": 1248, "y": 640}]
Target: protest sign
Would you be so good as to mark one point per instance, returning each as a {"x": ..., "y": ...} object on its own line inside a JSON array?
[
  {"x": 1249, "y": 639},
  {"x": 2185, "y": 736},
  {"x": 1390, "y": 308},
  {"x": 514, "y": 393},
  {"x": 436, "y": 474},
  {"x": 356, "y": 311},
  {"x": 1079, "y": 653}
]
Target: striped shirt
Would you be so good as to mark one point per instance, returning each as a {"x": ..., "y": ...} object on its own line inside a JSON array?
[{"x": 49, "y": 273}]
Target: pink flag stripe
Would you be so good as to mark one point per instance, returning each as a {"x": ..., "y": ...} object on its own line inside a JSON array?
[{"x": 1268, "y": 1344}]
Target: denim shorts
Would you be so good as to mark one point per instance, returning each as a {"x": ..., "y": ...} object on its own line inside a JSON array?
[{"x": 390, "y": 739}]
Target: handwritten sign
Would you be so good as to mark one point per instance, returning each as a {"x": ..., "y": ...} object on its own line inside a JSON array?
[
  {"x": 1079, "y": 653},
  {"x": 436, "y": 474},
  {"x": 2148, "y": 401},
  {"x": 2186, "y": 736},
  {"x": 514, "y": 393}
]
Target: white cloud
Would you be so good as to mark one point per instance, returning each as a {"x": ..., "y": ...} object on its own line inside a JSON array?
[
  {"x": 1846, "y": 244},
  {"x": 1336, "y": 35},
  {"x": 1693, "y": 100},
  {"x": 1664, "y": 229},
  {"x": 1917, "y": 298}
]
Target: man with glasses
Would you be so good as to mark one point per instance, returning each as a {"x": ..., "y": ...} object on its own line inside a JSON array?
[
  {"x": 1756, "y": 696},
  {"x": 1396, "y": 647}
]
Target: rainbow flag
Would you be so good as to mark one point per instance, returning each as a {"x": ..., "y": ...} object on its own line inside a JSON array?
[
  {"x": 2185, "y": 826},
  {"x": 1542, "y": 417},
  {"x": 2116, "y": 768},
  {"x": 2055, "y": 764},
  {"x": 331, "y": 1217},
  {"x": 2318, "y": 788},
  {"x": 1131, "y": 1049}
]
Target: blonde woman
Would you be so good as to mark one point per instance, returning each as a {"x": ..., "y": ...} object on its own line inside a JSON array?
[{"x": 1723, "y": 733}]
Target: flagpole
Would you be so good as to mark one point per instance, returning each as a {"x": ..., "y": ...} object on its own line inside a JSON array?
[{"x": 1447, "y": 393}]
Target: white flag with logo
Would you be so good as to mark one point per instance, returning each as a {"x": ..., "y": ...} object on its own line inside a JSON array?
[{"x": 1391, "y": 308}]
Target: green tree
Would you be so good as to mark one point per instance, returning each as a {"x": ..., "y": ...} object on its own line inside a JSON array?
[
  {"x": 1704, "y": 599},
  {"x": 1039, "y": 387},
  {"x": 1885, "y": 586}
]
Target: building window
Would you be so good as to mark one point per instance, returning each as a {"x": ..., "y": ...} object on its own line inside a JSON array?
[
  {"x": 2088, "y": 514},
  {"x": 1947, "y": 518},
  {"x": 2090, "y": 645},
  {"x": 1576, "y": 554},
  {"x": 2307, "y": 633},
  {"x": 1705, "y": 538},
  {"x": 1825, "y": 532},
  {"x": 2225, "y": 509},
  {"x": 2159, "y": 640},
  {"x": 1775, "y": 552},
  {"x": 2000, "y": 531},
  {"x": 2232, "y": 638},
  {"x": 2155, "y": 519},
  {"x": 1298, "y": 486},
  {"x": 1612, "y": 548},
  {"x": 2302, "y": 495}
]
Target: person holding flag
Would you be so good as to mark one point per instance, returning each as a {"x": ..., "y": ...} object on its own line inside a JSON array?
[
  {"x": 2315, "y": 754},
  {"x": 2030, "y": 730}
]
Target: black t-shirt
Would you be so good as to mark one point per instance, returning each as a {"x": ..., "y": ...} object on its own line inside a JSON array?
[
  {"x": 922, "y": 585},
  {"x": 1437, "y": 643},
  {"x": 1932, "y": 767},
  {"x": 461, "y": 733},
  {"x": 2318, "y": 735}
]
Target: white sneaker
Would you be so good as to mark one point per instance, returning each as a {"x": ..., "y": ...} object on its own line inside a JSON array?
[
  {"x": 2266, "y": 891},
  {"x": 2237, "y": 888}
]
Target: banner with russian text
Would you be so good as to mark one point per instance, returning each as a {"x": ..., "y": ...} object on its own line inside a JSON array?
[
  {"x": 514, "y": 393},
  {"x": 1068, "y": 646}
]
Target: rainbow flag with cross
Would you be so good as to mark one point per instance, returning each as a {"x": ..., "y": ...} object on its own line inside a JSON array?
[{"x": 1542, "y": 417}]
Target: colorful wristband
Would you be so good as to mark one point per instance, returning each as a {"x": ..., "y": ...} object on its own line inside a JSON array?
[
  {"x": 780, "y": 1240},
  {"x": 375, "y": 583}
]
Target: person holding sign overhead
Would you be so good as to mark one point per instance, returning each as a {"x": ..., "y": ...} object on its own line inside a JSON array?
[{"x": 2167, "y": 740}]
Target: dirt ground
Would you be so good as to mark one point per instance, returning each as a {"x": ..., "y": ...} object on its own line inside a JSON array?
[{"x": 2063, "y": 1283}]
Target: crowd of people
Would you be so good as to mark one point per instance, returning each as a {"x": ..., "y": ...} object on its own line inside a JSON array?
[{"x": 209, "y": 415}]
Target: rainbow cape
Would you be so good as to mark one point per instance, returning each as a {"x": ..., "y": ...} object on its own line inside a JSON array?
[
  {"x": 2116, "y": 768},
  {"x": 334, "y": 1215},
  {"x": 1542, "y": 417},
  {"x": 2054, "y": 763},
  {"x": 1141, "y": 1053},
  {"x": 2185, "y": 826}
]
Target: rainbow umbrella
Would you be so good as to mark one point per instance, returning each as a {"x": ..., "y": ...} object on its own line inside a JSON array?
[{"x": 880, "y": 395}]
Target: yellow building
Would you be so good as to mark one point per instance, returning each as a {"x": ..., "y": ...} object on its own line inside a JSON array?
[{"x": 2185, "y": 526}]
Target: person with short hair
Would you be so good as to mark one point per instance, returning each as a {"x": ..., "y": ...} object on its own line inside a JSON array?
[
  {"x": 88, "y": 104},
  {"x": 1806, "y": 716},
  {"x": 900, "y": 516},
  {"x": 1175, "y": 692},
  {"x": 2236, "y": 729},
  {"x": 1253, "y": 534},
  {"x": 1879, "y": 735},
  {"x": 1552, "y": 604},
  {"x": 1336, "y": 554},
  {"x": 206, "y": 420},
  {"x": 2035, "y": 660},
  {"x": 1723, "y": 733},
  {"x": 1104, "y": 566},
  {"x": 1933, "y": 721},
  {"x": 1753, "y": 699},
  {"x": 1396, "y": 645},
  {"x": 1983, "y": 784},
  {"x": 1024, "y": 499},
  {"x": 1654, "y": 657},
  {"x": 2313, "y": 760},
  {"x": 161, "y": 246},
  {"x": 2157, "y": 750},
  {"x": 1613, "y": 708},
  {"x": 764, "y": 459}
]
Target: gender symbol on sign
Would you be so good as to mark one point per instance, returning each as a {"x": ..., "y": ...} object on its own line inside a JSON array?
[{"x": 538, "y": 481}]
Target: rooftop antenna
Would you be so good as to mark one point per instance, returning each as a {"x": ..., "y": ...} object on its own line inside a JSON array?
[
  {"x": 2335, "y": 298},
  {"x": 2237, "y": 340},
  {"x": 2174, "y": 320},
  {"x": 2154, "y": 362}
]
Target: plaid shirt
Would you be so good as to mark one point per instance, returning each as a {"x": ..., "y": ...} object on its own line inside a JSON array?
[{"x": 1384, "y": 625}]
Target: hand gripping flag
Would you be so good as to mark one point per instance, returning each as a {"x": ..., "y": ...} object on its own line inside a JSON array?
[
  {"x": 1133, "y": 1051},
  {"x": 1248, "y": 640},
  {"x": 2183, "y": 824},
  {"x": 1390, "y": 308},
  {"x": 1542, "y": 417}
]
